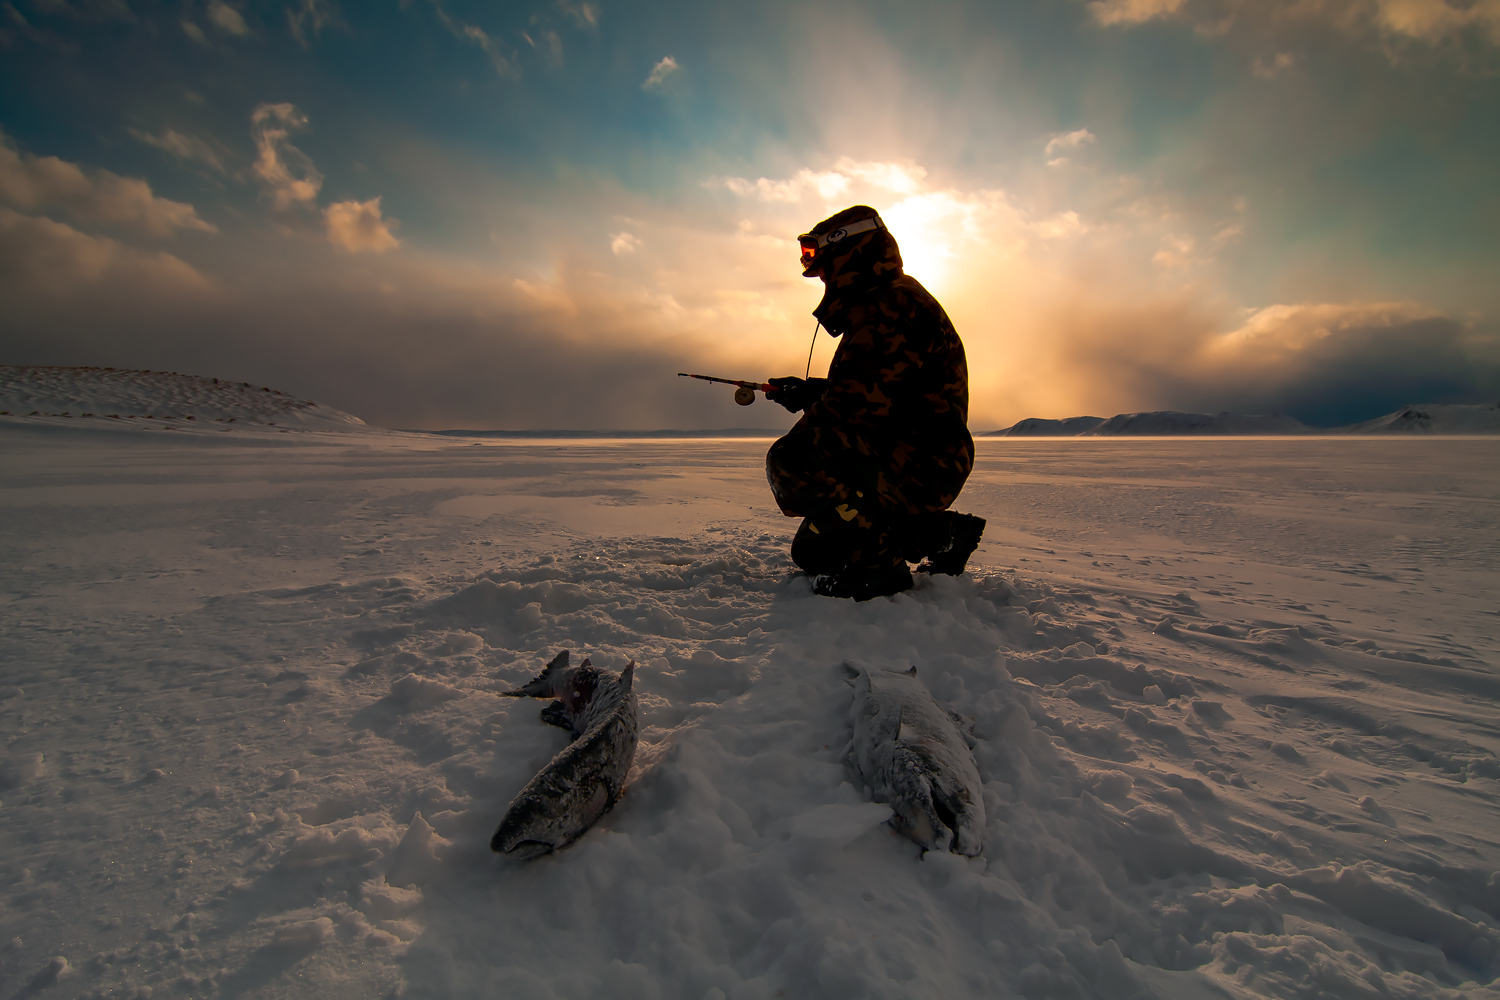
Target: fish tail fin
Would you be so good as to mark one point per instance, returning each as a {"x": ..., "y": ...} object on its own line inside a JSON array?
[{"x": 544, "y": 684}]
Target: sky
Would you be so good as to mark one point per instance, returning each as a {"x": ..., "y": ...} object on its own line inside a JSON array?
[{"x": 442, "y": 214}]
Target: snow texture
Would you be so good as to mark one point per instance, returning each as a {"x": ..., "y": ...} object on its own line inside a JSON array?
[
  {"x": 1234, "y": 703},
  {"x": 1442, "y": 419},
  {"x": 164, "y": 397}
]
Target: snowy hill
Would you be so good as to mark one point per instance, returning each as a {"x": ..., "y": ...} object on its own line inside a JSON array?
[
  {"x": 1482, "y": 418},
  {"x": 1041, "y": 427},
  {"x": 1169, "y": 422},
  {"x": 1439, "y": 418},
  {"x": 122, "y": 394}
]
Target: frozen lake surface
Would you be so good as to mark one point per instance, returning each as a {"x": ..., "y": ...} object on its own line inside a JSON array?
[{"x": 1236, "y": 707}]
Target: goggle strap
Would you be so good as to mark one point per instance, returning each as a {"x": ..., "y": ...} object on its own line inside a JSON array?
[{"x": 844, "y": 232}]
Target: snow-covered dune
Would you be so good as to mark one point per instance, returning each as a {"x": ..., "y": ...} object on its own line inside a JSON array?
[{"x": 118, "y": 394}]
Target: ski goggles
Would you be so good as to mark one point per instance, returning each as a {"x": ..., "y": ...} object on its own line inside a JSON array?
[{"x": 813, "y": 243}]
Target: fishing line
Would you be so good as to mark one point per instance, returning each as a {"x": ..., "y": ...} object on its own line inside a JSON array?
[{"x": 810, "y": 347}]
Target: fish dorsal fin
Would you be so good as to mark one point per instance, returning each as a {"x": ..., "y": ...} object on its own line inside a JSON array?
[
  {"x": 627, "y": 676},
  {"x": 541, "y": 685},
  {"x": 901, "y": 730},
  {"x": 912, "y": 672}
]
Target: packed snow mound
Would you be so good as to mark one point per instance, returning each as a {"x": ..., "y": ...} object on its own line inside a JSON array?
[
  {"x": 123, "y": 394},
  {"x": 1434, "y": 418}
]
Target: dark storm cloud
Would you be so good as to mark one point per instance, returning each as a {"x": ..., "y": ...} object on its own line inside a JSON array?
[
  {"x": 406, "y": 346},
  {"x": 1326, "y": 365}
]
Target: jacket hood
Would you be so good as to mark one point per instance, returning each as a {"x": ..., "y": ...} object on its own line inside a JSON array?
[{"x": 853, "y": 267}]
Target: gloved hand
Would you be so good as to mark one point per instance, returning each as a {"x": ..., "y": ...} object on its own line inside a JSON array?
[{"x": 797, "y": 394}]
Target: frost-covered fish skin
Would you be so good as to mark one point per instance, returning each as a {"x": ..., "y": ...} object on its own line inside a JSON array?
[
  {"x": 913, "y": 754},
  {"x": 554, "y": 809}
]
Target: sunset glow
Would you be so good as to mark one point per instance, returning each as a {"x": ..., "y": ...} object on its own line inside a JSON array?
[{"x": 1122, "y": 205}]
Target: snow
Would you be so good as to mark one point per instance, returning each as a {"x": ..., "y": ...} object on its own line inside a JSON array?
[
  {"x": 1435, "y": 418},
  {"x": 1475, "y": 418},
  {"x": 164, "y": 397},
  {"x": 1235, "y": 710}
]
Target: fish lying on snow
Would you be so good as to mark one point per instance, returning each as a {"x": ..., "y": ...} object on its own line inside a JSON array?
[
  {"x": 914, "y": 755},
  {"x": 585, "y": 779}
]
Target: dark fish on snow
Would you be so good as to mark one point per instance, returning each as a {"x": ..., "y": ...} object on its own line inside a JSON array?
[
  {"x": 914, "y": 755},
  {"x": 555, "y": 808}
]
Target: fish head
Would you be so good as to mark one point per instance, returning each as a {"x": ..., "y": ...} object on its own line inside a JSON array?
[
  {"x": 524, "y": 850},
  {"x": 577, "y": 689},
  {"x": 547, "y": 683},
  {"x": 525, "y": 832}
]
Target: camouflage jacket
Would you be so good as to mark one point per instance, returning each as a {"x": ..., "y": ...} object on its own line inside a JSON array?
[{"x": 899, "y": 376}]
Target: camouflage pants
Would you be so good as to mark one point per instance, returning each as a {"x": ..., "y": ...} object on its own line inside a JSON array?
[{"x": 864, "y": 500}]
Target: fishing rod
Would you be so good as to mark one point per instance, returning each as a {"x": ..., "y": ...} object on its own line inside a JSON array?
[{"x": 744, "y": 392}]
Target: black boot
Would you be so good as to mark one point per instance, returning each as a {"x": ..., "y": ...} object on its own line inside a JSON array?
[
  {"x": 822, "y": 545},
  {"x": 952, "y": 554},
  {"x": 863, "y": 584}
]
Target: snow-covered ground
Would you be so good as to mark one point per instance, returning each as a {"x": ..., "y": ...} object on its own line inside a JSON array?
[{"x": 1236, "y": 703}]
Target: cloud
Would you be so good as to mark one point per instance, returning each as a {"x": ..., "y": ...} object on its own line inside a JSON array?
[
  {"x": 1430, "y": 21},
  {"x": 847, "y": 173},
  {"x": 504, "y": 62},
  {"x": 825, "y": 183},
  {"x": 585, "y": 15},
  {"x": 357, "y": 226},
  {"x": 1108, "y": 12},
  {"x": 620, "y": 243},
  {"x": 551, "y": 44},
  {"x": 660, "y": 72},
  {"x": 1065, "y": 141},
  {"x": 184, "y": 147},
  {"x": 46, "y": 264},
  {"x": 226, "y": 18},
  {"x": 1069, "y": 140},
  {"x": 96, "y": 198},
  {"x": 194, "y": 32},
  {"x": 403, "y": 342},
  {"x": 1327, "y": 364},
  {"x": 937, "y": 227},
  {"x": 1176, "y": 251},
  {"x": 313, "y": 15},
  {"x": 1270, "y": 69},
  {"x": 282, "y": 167}
]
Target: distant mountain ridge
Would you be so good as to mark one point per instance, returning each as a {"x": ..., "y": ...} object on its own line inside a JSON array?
[{"x": 1431, "y": 418}]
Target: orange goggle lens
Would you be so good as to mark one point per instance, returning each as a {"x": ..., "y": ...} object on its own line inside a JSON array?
[{"x": 809, "y": 249}]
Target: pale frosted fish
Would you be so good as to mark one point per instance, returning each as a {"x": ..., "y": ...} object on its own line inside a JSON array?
[
  {"x": 554, "y": 809},
  {"x": 914, "y": 755}
]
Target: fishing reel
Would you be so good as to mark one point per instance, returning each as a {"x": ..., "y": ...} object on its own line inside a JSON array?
[{"x": 744, "y": 391}]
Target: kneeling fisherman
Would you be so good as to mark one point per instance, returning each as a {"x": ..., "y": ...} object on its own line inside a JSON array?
[{"x": 883, "y": 446}]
